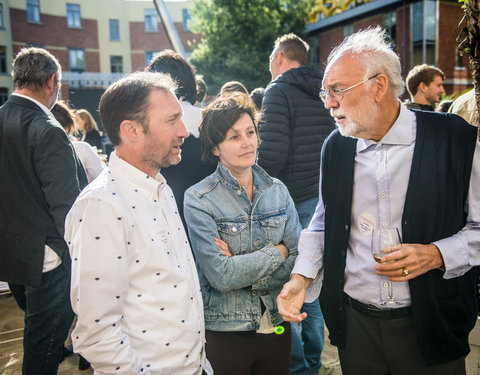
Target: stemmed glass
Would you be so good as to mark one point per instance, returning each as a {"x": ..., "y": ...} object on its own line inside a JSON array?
[{"x": 386, "y": 241}]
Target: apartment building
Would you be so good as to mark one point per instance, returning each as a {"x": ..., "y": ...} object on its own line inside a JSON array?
[
  {"x": 423, "y": 31},
  {"x": 96, "y": 41}
]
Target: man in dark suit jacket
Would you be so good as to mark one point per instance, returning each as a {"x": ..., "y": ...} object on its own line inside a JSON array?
[
  {"x": 41, "y": 178},
  {"x": 388, "y": 167}
]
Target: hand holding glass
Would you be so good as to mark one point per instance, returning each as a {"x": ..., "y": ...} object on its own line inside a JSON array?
[{"x": 386, "y": 241}]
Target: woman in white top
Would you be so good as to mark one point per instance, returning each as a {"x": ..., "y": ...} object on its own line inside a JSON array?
[{"x": 91, "y": 162}]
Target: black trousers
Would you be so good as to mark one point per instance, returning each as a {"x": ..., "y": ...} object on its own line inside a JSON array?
[
  {"x": 48, "y": 317},
  {"x": 232, "y": 353},
  {"x": 386, "y": 347}
]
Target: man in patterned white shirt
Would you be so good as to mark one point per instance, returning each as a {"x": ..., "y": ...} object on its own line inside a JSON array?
[{"x": 135, "y": 288}]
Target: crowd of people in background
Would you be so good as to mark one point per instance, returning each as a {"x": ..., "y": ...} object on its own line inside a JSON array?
[{"x": 225, "y": 228}]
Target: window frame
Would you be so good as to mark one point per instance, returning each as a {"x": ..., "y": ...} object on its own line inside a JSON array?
[
  {"x": 77, "y": 69},
  {"x": 33, "y": 11},
  {"x": 116, "y": 28},
  {"x": 150, "y": 26},
  {"x": 74, "y": 16},
  {"x": 112, "y": 64},
  {"x": 150, "y": 53},
  {"x": 3, "y": 60}
]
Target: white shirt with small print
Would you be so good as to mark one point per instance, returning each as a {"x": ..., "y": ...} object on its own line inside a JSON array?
[{"x": 135, "y": 287}]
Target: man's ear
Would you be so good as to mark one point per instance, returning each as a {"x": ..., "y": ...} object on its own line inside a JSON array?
[
  {"x": 52, "y": 82},
  {"x": 381, "y": 87},
  {"x": 422, "y": 87},
  {"x": 129, "y": 130},
  {"x": 280, "y": 58}
]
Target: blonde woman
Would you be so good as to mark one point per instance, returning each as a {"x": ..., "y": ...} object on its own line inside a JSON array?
[{"x": 89, "y": 128}]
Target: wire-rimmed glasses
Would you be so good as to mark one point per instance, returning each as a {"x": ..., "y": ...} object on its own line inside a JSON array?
[{"x": 337, "y": 94}]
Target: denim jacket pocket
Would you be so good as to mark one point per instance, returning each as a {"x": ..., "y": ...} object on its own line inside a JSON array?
[
  {"x": 274, "y": 227},
  {"x": 234, "y": 234}
]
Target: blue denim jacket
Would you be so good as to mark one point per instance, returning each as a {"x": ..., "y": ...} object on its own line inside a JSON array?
[{"x": 232, "y": 288}]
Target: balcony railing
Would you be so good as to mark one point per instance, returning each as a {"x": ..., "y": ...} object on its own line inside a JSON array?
[{"x": 90, "y": 80}]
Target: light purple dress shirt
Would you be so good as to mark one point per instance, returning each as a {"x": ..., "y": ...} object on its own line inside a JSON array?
[{"x": 381, "y": 174}]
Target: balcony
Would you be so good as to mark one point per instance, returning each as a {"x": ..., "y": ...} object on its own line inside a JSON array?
[{"x": 85, "y": 80}]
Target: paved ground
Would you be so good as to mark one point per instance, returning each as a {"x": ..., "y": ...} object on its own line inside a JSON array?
[{"x": 11, "y": 351}]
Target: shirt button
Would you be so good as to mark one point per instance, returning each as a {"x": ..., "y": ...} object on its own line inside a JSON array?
[
  {"x": 380, "y": 164},
  {"x": 385, "y": 285},
  {"x": 383, "y": 195},
  {"x": 384, "y": 225}
]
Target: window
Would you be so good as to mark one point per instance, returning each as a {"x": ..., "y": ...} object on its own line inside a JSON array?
[
  {"x": 3, "y": 59},
  {"x": 459, "y": 60},
  {"x": 185, "y": 17},
  {"x": 33, "y": 11},
  {"x": 347, "y": 30},
  {"x": 116, "y": 64},
  {"x": 424, "y": 26},
  {"x": 151, "y": 20},
  {"x": 1, "y": 16},
  {"x": 314, "y": 51},
  {"x": 3, "y": 95},
  {"x": 390, "y": 26},
  {"x": 76, "y": 59},
  {"x": 73, "y": 16},
  {"x": 114, "y": 30},
  {"x": 38, "y": 45},
  {"x": 149, "y": 55}
]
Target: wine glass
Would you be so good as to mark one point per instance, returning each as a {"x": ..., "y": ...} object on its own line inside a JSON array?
[{"x": 386, "y": 241}]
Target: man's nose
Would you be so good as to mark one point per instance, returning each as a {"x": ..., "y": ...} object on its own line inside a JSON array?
[
  {"x": 330, "y": 102},
  {"x": 182, "y": 131}
]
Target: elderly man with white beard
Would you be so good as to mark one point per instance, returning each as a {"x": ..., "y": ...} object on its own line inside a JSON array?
[{"x": 389, "y": 167}]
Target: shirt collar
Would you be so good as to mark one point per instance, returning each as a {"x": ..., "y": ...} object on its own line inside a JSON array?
[
  {"x": 44, "y": 109},
  {"x": 146, "y": 185},
  {"x": 402, "y": 131},
  {"x": 261, "y": 180}
]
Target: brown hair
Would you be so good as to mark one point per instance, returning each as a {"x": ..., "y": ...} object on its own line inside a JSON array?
[
  {"x": 129, "y": 99},
  {"x": 63, "y": 114},
  {"x": 219, "y": 116},
  {"x": 33, "y": 67},
  {"x": 87, "y": 117},
  {"x": 293, "y": 48},
  {"x": 232, "y": 87},
  {"x": 421, "y": 73}
]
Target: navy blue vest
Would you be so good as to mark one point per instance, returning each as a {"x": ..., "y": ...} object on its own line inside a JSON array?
[{"x": 444, "y": 311}]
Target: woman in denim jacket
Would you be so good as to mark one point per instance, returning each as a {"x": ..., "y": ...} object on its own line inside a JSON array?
[{"x": 244, "y": 231}]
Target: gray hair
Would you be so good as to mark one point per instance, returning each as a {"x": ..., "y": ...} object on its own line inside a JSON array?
[
  {"x": 128, "y": 99},
  {"x": 375, "y": 54},
  {"x": 33, "y": 67}
]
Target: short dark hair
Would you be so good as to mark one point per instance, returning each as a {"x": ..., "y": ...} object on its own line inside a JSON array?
[
  {"x": 128, "y": 99},
  {"x": 180, "y": 70},
  {"x": 219, "y": 116},
  {"x": 63, "y": 114},
  {"x": 421, "y": 73},
  {"x": 257, "y": 95},
  {"x": 293, "y": 48},
  {"x": 233, "y": 86},
  {"x": 33, "y": 67}
]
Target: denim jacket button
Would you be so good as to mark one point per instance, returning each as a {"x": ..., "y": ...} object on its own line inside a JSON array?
[
  {"x": 239, "y": 191},
  {"x": 234, "y": 228}
]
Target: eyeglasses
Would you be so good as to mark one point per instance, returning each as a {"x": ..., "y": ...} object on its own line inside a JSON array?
[{"x": 337, "y": 95}]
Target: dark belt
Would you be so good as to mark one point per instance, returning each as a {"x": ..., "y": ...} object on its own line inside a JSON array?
[{"x": 376, "y": 313}]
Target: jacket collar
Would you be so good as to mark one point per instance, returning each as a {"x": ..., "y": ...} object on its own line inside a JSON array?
[{"x": 261, "y": 180}]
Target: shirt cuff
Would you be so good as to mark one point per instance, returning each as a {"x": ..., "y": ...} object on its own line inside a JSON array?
[
  {"x": 454, "y": 251},
  {"x": 305, "y": 267}
]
